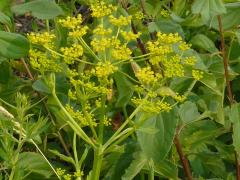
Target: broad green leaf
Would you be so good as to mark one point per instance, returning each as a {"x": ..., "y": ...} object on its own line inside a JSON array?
[
  {"x": 32, "y": 162},
  {"x": 13, "y": 45},
  {"x": 166, "y": 169},
  {"x": 135, "y": 167},
  {"x": 155, "y": 146},
  {"x": 4, "y": 19},
  {"x": 203, "y": 42},
  {"x": 208, "y": 8},
  {"x": 210, "y": 81},
  {"x": 166, "y": 26},
  {"x": 237, "y": 33},
  {"x": 5, "y": 72},
  {"x": 188, "y": 112},
  {"x": 230, "y": 19},
  {"x": 118, "y": 167},
  {"x": 235, "y": 119},
  {"x": 40, "y": 86},
  {"x": 125, "y": 89},
  {"x": 198, "y": 134},
  {"x": 42, "y": 9},
  {"x": 179, "y": 6}
]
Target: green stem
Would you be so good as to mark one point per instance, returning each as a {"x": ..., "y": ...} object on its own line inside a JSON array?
[
  {"x": 78, "y": 170},
  {"x": 101, "y": 125},
  {"x": 151, "y": 172},
  {"x": 98, "y": 157},
  {"x": 115, "y": 135},
  {"x": 6, "y": 103},
  {"x": 84, "y": 44},
  {"x": 45, "y": 158},
  {"x": 61, "y": 55},
  {"x": 73, "y": 124}
]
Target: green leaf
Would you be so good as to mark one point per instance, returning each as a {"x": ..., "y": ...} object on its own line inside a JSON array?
[
  {"x": 203, "y": 42},
  {"x": 208, "y": 8},
  {"x": 210, "y": 81},
  {"x": 42, "y": 9},
  {"x": 188, "y": 112},
  {"x": 179, "y": 6},
  {"x": 230, "y": 19},
  {"x": 166, "y": 169},
  {"x": 4, "y": 19},
  {"x": 135, "y": 167},
  {"x": 156, "y": 145},
  {"x": 34, "y": 163},
  {"x": 13, "y": 45},
  {"x": 235, "y": 119},
  {"x": 40, "y": 86},
  {"x": 125, "y": 89},
  {"x": 166, "y": 26}
]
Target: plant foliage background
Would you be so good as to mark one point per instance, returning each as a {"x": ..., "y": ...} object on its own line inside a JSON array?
[{"x": 128, "y": 89}]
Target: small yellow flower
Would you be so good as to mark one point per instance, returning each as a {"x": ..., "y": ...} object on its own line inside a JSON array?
[
  {"x": 190, "y": 60},
  {"x": 100, "y": 30},
  {"x": 78, "y": 32},
  {"x": 103, "y": 70},
  {"x": 44, "y": 39},
  {"x": 184, "y": 46},
  {"x": 164, "y": 13},
  {"x": 168, "y": 38},
  {"x": 71, "y": 22},
  {"x": 129, "y": 36},
  {"x": 197, "y": 74},
  {"x": 101, "y": 9},
  {"x": 120, "y": 21},
  {"x": 72, "y": 53},
  {"x": 147, "y": 76},
  {"x": 173, "y": 67},
  {"x": 100, "y": 45},
  {"x": 121, "y": 53}
]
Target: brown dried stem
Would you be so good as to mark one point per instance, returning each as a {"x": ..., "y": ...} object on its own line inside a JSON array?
[
  {"x": 229, "y": 89},
  {"x": 184, "y": 160}
]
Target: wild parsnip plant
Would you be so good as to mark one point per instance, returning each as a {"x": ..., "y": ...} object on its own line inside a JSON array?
[
  {"x": 127, "y": 89},
  {"x": 91, "y": 78}
]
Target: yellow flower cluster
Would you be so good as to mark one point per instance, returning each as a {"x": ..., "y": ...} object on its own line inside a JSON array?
[
  {"x": 179, "y": 98},
  {"x": 90, "y": 87},
  {"x": 43, "y": 62},
  {"x": 164, "y": 13},
  {"x": 120, "y": 21},
  {"x": 107, "y": 121},
  {"x": 78, "y": 116},
  {"x": 168, "y": 38},
  {"x": 184, "y": 46},
  {"x": 100, "y": 45},
  {"x": 197, "y": 74},
  {"x": 72, "y": 95},
  {"x": 100, "y": 30},
  {"x": 121, "y": 52},
  {"x": 156, "y": 106},
  {"x": 71, "y": 22},
  {"x": 104, "y": 69},
  {"x": 173, "y": 67},
  {"x": 139, "y": 15},
  {"x": 190, "y": 60},
  {"x": 71, "y": 53},
  {"x": 44, "y": 39},
  {"x": 147, "y": 76},
  {"x": 158, "y": 50},
  {"x": 129, "y": 36},
  {"x": 78, "y": 32},
  {"x": 101, "y": 9}
]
